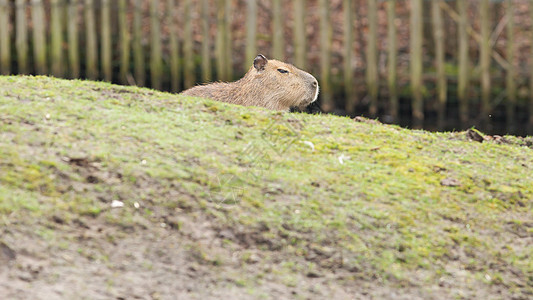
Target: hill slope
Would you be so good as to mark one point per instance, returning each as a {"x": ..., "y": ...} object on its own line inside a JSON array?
[{"x": 109, "y": 191}]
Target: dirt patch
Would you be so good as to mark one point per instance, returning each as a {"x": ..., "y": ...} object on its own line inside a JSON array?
[
  {"x": 7, "y": 255},
  {"x": 366, "y": 120},
  {"x": 98, "y": 261}
]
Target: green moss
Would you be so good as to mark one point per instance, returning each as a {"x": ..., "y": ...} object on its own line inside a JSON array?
[{"x": 363, "y": 197}]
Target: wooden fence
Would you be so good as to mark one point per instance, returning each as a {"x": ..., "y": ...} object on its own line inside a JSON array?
[{"x": 453, "y": 67}]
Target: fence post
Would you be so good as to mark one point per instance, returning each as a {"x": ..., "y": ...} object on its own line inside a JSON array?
[
  {"x": 299, "y": 33},
  {"x": 138, "y": 53},
  {"x": 219, "y": 46},
  {"x": 392, "y": 59},
  {"x": 206, "y": 56},
  {"x": 438, "y": 35},
  {"x": 56, "y": 46},
  {"x": 39, "y": 37},
  {"x": 174, "y": 47},
  {"x": 251, "y": 33},
  {"x": 189, "y": 71},
  {"x": 156, "y": 62},
  {"x": 485, "y": 62},
  {"x": 416, "y": 35},
  {"x": 91, "y": 43},
  {"x": 73, "y": 47},
  {"x": 510, "y": 79},
  {"x": 348, "y": 52},
  {"x": 106, "y": 41},
  {"x": 223, "y": 41},
  {"x": 463, "y": 62},
  {"x": 325, "y": 56},
  {"x": 371, "y": 56},
  {"x": 227, "y": 38},
  {"x": 5, "y": 43},
  {"x": 22, "y": 37},
  {"x": 277, "y": 31},
  {"x": 530, "y": 131},
  {"x": 124, "y": 42}
]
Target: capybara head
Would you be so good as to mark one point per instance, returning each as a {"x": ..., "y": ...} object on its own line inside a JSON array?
[
  {"x": 268, "y": 83},
  {"x": 282, "y": 83}
]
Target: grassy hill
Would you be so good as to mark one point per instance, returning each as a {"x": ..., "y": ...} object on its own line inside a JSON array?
[{"x": 122, "y": 192}]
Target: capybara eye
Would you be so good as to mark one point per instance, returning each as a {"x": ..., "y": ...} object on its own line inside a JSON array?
[{"x": 283, "y": 71}]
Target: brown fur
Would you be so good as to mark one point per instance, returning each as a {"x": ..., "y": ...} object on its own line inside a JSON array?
[{"x": 263, "y": 85}]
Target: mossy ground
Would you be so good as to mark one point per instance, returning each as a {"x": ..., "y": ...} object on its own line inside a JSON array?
[{"x": 288, "y": 205}]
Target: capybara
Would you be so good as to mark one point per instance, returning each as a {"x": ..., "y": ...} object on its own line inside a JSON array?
[{"x": 268, "y": 83}]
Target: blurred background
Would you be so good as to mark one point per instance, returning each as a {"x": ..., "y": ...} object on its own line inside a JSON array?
[{"x": 438, "y": 65}]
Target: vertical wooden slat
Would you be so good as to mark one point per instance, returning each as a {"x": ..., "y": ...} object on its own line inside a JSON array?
[
  {"x": 56, "y": 39},
  {"x": 463, "y": 62},
  {"x": 530, "y": 130},
  {"x": 39, "y": 37},
  {"x": 485, "y": 63},
  {"x": 251, "y": 32},
  {"x": 325, "y": 57},
  {"x": 438, "y": 35},
  {"x": 106, "y": 40},
  {"x": 416, "y": 38},
  {"x": 91, "y": 43},
  {"x": 124, "y": 42},
  {"x": 427, "y": 33},
  {"x": 277, "y": 30},
  {"x": 156, "y": 61},
  {"x": 190, "y": 77},
  {"x": 348, "y": 52},
  {"x": 206, "y": 56},
  {"x": 174, "y": 47},
  {"x": 22, "y": 37},
  {"x": 372, "y": 58},
  {"x": 219, "y": 46},
  {"x": 510, "y": 76},
  {"x": 5, "y": 43},
  {"x": 360, "y": 32},
  {"x": 392, "y": 51},
  {"x": 73, "y": 46},
  {"x": 138, "y": 51},
  {"x": 299, "y": 34},
  {"x": 227, "y": 40},
  {"x": 223, "y": 41}
]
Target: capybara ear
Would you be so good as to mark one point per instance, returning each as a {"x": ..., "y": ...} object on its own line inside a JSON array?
[{"x": 259, "y": 62}]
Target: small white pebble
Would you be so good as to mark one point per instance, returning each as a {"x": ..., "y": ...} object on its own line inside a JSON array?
[
  {"x": 136, "y": 205},
  {"x": 297, "y": 211},
  {"x": 342, "y": 158},
  {"x": 487, "y": 276},
  {"x": 163, "y": 225},
  {"x": 116, "y": 204},
  {"x": 47, "y": 116},
  {"x": 310, "y": 144},
  {"x": 143, "y": 162}
]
